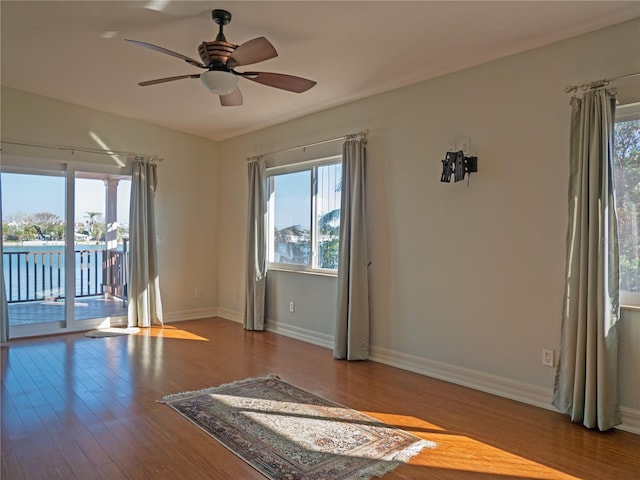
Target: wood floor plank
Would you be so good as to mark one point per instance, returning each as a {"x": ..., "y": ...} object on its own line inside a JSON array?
[
  {"x": 109, "y": 471},
  {"x": 10, "y": 467},
  {"x": 89, "y": 408}
]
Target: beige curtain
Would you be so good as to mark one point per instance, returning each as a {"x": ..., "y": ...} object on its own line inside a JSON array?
[
  {"x": 352, "y": 325},
  {"x": 586, "y": 384},
  {"x": 256, "y": 246},
  {"x": 145, "y": 306}
]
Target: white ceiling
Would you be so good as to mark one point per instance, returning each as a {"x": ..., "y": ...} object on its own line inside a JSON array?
[{"x": 352, "y": 49}]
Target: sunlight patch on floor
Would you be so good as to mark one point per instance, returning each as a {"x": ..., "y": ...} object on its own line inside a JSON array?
[
  {"x": 169, "y": 331},
  {"x": 459, "y": 452}
]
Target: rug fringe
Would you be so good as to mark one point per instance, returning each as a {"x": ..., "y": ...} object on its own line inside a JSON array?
[
  {"x": 208, "y": 390},
  {"x": 408, "y": 453},
  {"x": 383, "y": 467}
]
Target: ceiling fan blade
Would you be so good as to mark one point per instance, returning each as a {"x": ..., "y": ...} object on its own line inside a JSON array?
[
  {"x": 280, "y": 80},
  {"x": 254, "y": 51},
  {"x": 193, "y": 62},
  {"x": 168, "y": 79},
  {"x": 232, "y": 99}
]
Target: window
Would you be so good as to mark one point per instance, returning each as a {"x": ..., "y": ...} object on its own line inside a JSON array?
[
  {"x": 627, "y": 178},
  {"x": 304, "y": 215}
]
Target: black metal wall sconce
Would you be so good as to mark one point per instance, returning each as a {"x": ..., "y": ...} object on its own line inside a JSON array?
[{"x": 456, "y": 164}]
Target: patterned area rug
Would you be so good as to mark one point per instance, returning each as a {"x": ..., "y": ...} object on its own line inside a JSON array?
[{"x": 285, "y": 432}]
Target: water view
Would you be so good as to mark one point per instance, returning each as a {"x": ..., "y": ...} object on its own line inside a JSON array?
[{"x": 37, "y": 272}]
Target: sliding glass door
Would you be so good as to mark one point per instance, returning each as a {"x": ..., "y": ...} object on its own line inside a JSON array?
[
  {"x": 65, "y": 235},
  {"x": 100, "y": 245},
  {"x": 34, "y": 234}
]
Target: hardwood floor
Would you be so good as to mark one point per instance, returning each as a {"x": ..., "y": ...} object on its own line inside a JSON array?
[{"x": 83, "y": 408}]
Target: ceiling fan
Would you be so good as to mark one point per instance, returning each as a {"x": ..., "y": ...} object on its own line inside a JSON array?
[{"x": 219, "y": 59}]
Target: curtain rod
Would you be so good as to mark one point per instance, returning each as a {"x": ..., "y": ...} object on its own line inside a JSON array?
[
  {"x": 321, "y": 142},
  {"x": 598, "y": 83},
  {"x": 98, "y": 151}
]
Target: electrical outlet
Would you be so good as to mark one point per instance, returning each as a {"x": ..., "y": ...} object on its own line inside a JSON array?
[
  {"x": 548, "y": 357},
  {"x": 292, "y": 307},
  {"x": 196, "y": 293}
]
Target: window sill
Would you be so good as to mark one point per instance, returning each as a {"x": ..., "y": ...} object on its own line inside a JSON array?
[
  {"x": 629, "y": 301},
  {"x": 321, "y": 273},
  {"x": 631, "y": 308}
]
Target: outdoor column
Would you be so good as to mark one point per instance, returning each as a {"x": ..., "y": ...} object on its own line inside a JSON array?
[{"x": 111, "y": 235}]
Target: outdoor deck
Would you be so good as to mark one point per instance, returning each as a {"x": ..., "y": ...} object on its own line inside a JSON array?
[
  {"x": 35, "y": 282},
  {"x": 27, "y": 313}
]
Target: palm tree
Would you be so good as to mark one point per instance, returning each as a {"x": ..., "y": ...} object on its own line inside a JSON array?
[
  {"x": 328, "y": 222},
  {"x": 94, "y": 230},
  {"x": 328, "y": 245}
]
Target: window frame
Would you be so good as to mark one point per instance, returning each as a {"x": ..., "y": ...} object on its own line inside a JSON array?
[
  {"x": 308, "y": 165},
  {"x": 627, "y": 113}
]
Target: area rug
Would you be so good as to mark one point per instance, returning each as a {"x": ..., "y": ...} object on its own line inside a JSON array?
[
  {"x": 285, "y": 432},
  {"x": 111, "y": 332}
]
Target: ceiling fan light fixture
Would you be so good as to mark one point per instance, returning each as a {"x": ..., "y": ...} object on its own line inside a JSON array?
[{"x": 218, "y": 82}]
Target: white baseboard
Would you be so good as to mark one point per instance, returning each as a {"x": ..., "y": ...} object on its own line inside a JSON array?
[
  {"x": 197, "y": 313},
  {"x": 630, "y": 420},
  {"x": 303, "y": 334},
  {"x": 484, "y": 382},
  {"x": 232, "y": 315},
  {"x": 494, "y": 384}
]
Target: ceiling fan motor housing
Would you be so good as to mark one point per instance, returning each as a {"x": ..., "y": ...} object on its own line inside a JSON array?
[{"x": 215, "y": 53}]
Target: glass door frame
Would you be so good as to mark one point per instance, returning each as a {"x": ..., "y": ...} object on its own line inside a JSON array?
[{"x": 36, "y": 166}]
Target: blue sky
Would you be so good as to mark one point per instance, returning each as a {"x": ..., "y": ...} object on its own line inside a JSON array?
[
  {"x": 293, "y": 195},
  {"x": 38, "y": 193},
  {"x": 293, "y": 200}
]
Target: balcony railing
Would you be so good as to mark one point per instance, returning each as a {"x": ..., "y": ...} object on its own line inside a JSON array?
[{"x": 36, "y": 276}]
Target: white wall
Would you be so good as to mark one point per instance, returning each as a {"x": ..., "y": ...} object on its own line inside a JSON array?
[
  {"x": 466, "y": 282},
  {"x": 186, "y": 200},
  {"x": 314, "y": 298}
]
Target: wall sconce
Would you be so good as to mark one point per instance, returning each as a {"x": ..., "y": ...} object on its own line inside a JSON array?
[{"x": 457, "y": 164}]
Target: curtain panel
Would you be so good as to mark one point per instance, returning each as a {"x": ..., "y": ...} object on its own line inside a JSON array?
[
  {"x": 352, "y": 321},
  {"x": 586, "y": 383},
  {"x": 256, "y": 246},
  {"x": 145, "y": 305}
]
